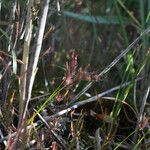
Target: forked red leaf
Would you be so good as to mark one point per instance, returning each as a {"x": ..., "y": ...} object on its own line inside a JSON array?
[{"x": 143, "y": 123}]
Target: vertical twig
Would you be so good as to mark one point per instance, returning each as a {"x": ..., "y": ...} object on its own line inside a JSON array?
[
  {"x": 24, "y": 66},
  {"x": 34, "y": 59},
  {"x": 141, "y": 112}
]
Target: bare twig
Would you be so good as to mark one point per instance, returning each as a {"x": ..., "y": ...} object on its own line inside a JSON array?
[
  {"x": 33, "y": 64},
  {"x": 141, "y": 112},
  {"x": 92, "y": 99},
  {"x": 58, "y": 137},
  {"x": 24, "y": 66},
  {"x": 114, "y": 62},
  {"x": 74, "y": 106}
]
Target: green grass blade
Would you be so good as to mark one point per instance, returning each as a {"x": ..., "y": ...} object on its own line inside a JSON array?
[
  {"x": 14, "y": 58},
  {"x": 94, "y": 19},
  {"x": 122, "y": 22}
]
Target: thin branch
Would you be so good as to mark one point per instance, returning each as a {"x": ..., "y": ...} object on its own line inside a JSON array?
[
  {"x": 58, "y": 137},
  {"x": 74, "y": 106},
  {"x": 33, "y": 64},
  {"x": 24, "y": 66},
  {"x": 144, "y": 102},
  {"x": 114, "y": 62},
  {"x": 142, "y": 110},
  {"x": 92, "y": 99}
]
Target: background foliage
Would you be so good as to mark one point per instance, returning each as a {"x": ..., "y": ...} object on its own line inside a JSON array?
[{"x": 86, "y": 50}]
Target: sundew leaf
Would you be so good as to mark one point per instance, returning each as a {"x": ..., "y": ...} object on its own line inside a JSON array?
[{"x": 94, "y": 19}]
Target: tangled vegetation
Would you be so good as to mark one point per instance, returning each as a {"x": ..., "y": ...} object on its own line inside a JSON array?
[{"x": 74, "y": 74}]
